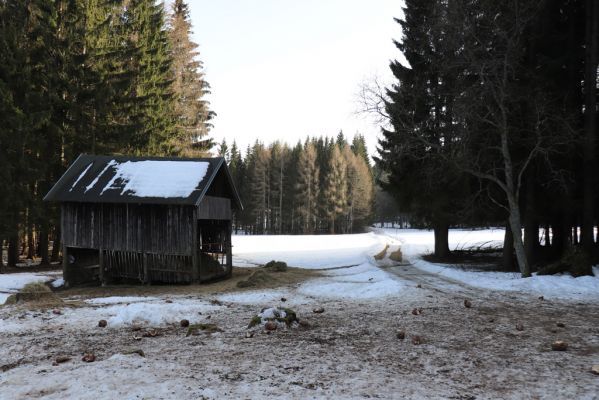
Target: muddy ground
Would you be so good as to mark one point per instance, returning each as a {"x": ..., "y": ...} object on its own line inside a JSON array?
[{"x": 500, "y": 347}]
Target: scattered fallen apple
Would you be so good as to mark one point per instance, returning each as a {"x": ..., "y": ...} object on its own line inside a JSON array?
[{"x": 559, "y": 345}]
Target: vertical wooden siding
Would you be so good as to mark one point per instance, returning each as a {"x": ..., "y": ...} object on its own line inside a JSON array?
[{"x": 157, "y": 229}]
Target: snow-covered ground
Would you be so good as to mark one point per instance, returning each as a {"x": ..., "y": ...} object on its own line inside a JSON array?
[
  {"x": 307, "y": 251},
  {"x": 415, "y": 243},
  {"x": 350, "y": 351}
]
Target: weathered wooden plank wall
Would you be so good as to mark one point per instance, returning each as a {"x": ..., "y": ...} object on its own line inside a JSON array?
[
  {"x": 215, "y": 208},
  {"x": 157, "y": 229},
  {"x": 147, "y": 268}
]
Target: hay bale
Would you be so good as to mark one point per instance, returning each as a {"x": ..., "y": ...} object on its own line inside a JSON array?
[
  {"x": 276, "y": 266},
  {"x": 35, "y": 291},
  {"x": 36, "y": 294}
]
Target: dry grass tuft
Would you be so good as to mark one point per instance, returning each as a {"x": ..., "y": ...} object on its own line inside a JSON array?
[
  {"x": 382, "y": 254},
  {"x": 396, "y": 256}
]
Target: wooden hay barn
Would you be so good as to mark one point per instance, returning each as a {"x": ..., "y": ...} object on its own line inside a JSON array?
[{"x": 146, "y": 219}]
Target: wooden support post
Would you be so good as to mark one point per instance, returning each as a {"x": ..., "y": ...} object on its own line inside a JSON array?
[
  {"x": 229, "y": 250},
  {"x": 103, "y": 275},
  {"x": 195, "y": 255},
  {"x": 146, "y": 271},
  {"x": 65, "y": 267},
  {"x": 195, "y": 267}
]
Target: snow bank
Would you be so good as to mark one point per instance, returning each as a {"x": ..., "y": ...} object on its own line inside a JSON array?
[
  {"x": 561, "y": 286},
  {"x": 307, "y": 251},
  {"x": 154, "y": 313},
  {"x": 415, "y": 243}
]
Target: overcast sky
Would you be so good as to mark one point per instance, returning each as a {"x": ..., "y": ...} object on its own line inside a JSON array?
[{"x": 282, "y": 69}]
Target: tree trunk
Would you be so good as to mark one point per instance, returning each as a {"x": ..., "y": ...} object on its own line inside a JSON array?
[
  {"x": 43, "y": 244},
  {"x": 30, "y": 242},
  {"x": 1, "y": 255},
  {"x": 547, "y": 240},
  {"x": 441, "y": 231},
  {"x": 590, "y": 122},
  {"x": 512, "y": 190},
  {"x": 531, "y": 240},
  {"x": 508, "y": 249},
  {"x": 516, "y": 225},
  {"x": 13, "y": 251},
  {"x": 531, "y": 227},
  {"x": 560, "y": 236},
  {"x": 55, "y": 246}
]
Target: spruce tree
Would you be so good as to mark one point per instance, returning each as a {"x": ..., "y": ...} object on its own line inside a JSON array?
[
  {"x": 308, "y": 188},
  {"x": 258, "y": 188},
  {"x": 415, "y": 151},
  {"x": 278, "y": 172},
  {"x": 223, "y": 150},
  {"x": 152, "y": 86},
  {"x": 359, "y": 148},
  {"x": 360, "y": 190},
  {"x": 112, "y": 120},
  {"x": 335, "y": 191},
  {"x": 191, "y": 109}
]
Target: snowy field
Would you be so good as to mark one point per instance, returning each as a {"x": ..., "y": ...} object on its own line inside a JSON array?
[
  {"x": 314, "y": 252},
  {"x": 350, "y": 350},
  {"x": 346, "y": 261}
]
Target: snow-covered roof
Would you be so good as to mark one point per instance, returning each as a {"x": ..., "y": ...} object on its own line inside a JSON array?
[{"x": 120, "y": 179}]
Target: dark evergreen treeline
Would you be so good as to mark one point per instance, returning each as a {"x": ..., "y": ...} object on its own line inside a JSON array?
[
  {"x": 319, "y": 186},
  {"x": 89, "y": 76},
  {"x": 495, "y": 122}
]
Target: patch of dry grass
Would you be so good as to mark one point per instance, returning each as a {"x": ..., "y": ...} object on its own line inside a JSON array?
[
  {"x": 396, "y": 256},
  {"x": 382, "y": 254},
  {"x": 289, "y": 277}
]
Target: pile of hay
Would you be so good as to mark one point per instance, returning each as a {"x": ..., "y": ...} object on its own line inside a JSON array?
[
  {"x": 276, "y": 266},
  {"x": 262, "y": 277},
  {"x": 258, "y": 278},
  {"x": 36, "y": 293}
]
